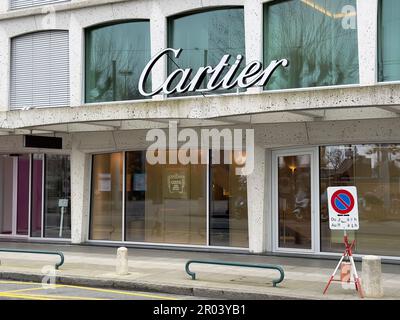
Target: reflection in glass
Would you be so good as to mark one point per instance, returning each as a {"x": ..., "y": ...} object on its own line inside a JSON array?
[
  {"x": 115, "y": 57},
  {"x": 294, "y": 201},
  {"x": 375, "y": 170},
  {"x": 165, "y": 203},
  {"x": 336, "y": 169},
  {"x": 57, "y": 219},
  {"x": 319, "y": 43},
  {"x": 205, "y": 38},
  {"x": 106, "y": 211},
  {"x": 228, "y": 206},
  {"x": 389, "y": 44}
]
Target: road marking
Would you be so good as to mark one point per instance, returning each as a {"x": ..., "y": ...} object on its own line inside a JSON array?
[
  {"x": 19, "y": 282},
  {"x": 46, "y": 297},
  {"x": 151, "y": 296},
  {"x": 22, "y": 290},
  {"x": 22, "y": 296},
  {"x": 122, "y": 293}
]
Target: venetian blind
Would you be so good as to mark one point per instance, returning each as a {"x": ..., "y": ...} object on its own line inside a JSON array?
[
  {"x": 18, "y": 4},
  {"x": 40, "y": 70}
]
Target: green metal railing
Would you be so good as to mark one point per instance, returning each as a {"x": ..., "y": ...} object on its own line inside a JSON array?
[
  {"x": 237, "y": 264},
  {"x": 58, "y": 253}
]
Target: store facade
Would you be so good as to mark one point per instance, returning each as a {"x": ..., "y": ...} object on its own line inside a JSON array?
[
  {"x": 328, "y": 118},
  {"x": 31, "y": 187}
]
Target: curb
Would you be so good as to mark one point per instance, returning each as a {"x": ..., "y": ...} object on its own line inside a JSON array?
[{"x": 213, "y": 293}]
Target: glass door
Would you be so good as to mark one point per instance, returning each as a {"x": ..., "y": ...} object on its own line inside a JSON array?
[{"x": 295, "y": 200}]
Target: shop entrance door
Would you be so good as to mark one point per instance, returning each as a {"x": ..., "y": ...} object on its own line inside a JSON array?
[
  {"x": 295, "y": 200},
  {"x": 14, "y": 195}
]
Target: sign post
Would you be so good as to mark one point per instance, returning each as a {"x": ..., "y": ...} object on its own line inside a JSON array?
[
  {"x": 343, "y": 215},
  {"x": 62, "y": 203}
]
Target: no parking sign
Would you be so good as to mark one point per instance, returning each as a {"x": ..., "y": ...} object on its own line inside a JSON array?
[{"x": 343, "y": 208}]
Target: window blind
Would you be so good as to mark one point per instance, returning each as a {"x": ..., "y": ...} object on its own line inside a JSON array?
[
  {"x": 18, "y": 4},
  {"x": 40, "y": 70}
]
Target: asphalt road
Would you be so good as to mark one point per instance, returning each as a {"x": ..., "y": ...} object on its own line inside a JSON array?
[{"x": 15, "y": 290}]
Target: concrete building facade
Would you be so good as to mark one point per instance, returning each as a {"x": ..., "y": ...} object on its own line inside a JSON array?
[{"x": 342, "y": 128}]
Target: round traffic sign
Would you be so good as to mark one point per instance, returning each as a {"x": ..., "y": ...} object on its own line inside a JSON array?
[{"x": 342, "y": 201}]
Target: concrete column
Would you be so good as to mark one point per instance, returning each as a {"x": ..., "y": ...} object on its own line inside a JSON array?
[
  {"x": 4, "y": 6},
  {"x": 122, "y": 261},
  {"x": 255, "y": 202},
  {"x": 158, "y": 31},
  {"x": 372, "y": 277},
  {"x": 4, "y": 70},
  {"x": 80, "y": 186},
  {"x": 253, "y": 24},
  {"x": 76, "y": 60},
  {"x": 367, "y": 29},
  {"x": 268, "y": 202}
]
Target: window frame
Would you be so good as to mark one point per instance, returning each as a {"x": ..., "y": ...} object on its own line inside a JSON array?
[
  {"x": 88, "y": 228},
  {"x": 379, "y": 50},
  {"x": 90, "y": 28},
  {"x": 266, "y": 3},
  {"x": 169, "y": 21}
]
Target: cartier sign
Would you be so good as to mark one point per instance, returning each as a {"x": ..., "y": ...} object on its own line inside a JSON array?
[{"x": 186, "y": 80}]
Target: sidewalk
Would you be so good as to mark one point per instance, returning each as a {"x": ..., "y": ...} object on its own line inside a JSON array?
[{"x": 164, "y": 271}]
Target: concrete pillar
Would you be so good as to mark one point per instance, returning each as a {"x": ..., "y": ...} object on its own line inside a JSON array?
[
  {"x": 255, "y": 202},
  {"x": 372, "y": 277},
  {"x": 253, "y": 24},
  {"x": 367, "y": 30},
  {"x": 268, "y": 203},
  {"x": 158, "y": 31},
  {"x": 4, "y": 6},
  {"x": 122, "y": 261},
  {"x": 4, "y": 69},
  {"x": 76, "y": 60},
  {"x": 80, "y": 186}
]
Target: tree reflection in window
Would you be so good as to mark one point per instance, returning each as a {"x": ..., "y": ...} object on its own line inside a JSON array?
[
  {"x": 205, "y": 38},
  {"x": 115, "y": 57},
  {"x": 375, "y": 170},
  {"x": 317, "y": 39}
]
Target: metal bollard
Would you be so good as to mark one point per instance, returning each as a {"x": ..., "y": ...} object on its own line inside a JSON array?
[
  {"x": 372, "y": 277},
  {"x": 122, "y": 261}
]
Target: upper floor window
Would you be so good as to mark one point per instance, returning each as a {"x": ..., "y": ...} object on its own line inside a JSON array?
[
  {"x": 318, "y": 37},
  {"x": 389, "y": 44},
  {"x": 205, "y": 38},
  {"x": 40, "y": 69},
  {"x": 115, "y": 57},
  {"x": 19, "y": 4}
]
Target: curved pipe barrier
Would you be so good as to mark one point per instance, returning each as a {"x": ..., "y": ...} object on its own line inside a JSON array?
[
  {"x": 58, "y": 253},
  {"x": 237, "y": 264}
]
